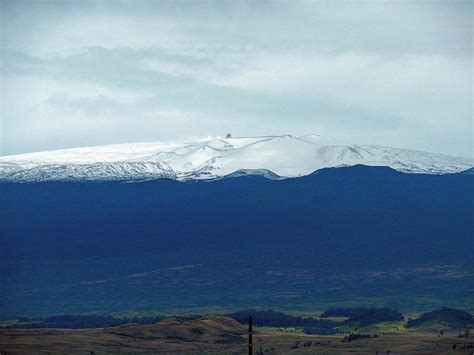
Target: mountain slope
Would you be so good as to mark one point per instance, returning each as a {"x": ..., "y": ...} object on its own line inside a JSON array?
[
  {"x": 285, "y": 156},
  {"x": 338, "y": 234}
]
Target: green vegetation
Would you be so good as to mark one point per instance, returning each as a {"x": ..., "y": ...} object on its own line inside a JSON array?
[
  {"x": 358, "y": 317},
  {"x": 369, "y": 316},
  {"x": 271, "y": 318},
  {"x": 80, "y": 322},
  {"x": 442, "y": 319},
  {"x": 355, "y": 321},
  {"x": 222, "y": 335},
  {"x": 288, "y": 330}
]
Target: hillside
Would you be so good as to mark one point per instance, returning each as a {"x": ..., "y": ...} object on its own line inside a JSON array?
[
  {"x": 214, "y": 335},
  {"x": 443, "y": 319},
  {"x": 73, "y": 248},
  {"x": 175, "y": 335}
]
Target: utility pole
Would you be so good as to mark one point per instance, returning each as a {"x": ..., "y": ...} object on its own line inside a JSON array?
[{"x": 250, "y": 335}]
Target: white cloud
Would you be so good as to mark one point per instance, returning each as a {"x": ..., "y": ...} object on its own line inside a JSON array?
[
  {"x": 196, "y": 69},
  {"x": 429, "y": 89}
]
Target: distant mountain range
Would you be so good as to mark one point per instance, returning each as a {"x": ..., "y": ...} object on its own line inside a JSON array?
[{"x": 271, "y": 156}]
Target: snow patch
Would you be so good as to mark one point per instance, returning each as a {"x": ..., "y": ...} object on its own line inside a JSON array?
[{"x": 270, "y": 156}]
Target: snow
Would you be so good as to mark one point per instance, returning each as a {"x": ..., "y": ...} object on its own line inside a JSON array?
[{"x": 286, "y": 156}]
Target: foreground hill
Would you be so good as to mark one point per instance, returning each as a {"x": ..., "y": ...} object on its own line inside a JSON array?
[
  {"x": 284, "y": 156},
  {"x": 174, "y": 335},
  {"x": 444, "y": 319},
  {"x": 216, "y": 335}
]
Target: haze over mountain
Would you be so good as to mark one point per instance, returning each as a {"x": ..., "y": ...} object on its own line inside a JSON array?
[{"x": 272, "y": 156}]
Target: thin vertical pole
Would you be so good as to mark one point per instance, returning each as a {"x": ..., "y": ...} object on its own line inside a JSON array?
[{"x": 250, "y": 335}]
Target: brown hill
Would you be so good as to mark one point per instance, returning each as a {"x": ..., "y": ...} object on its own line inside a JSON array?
[
  {"x": 173, "y": 335},
  {"x": 213, "y": 329},
  {"x": 216, "y": 335}
]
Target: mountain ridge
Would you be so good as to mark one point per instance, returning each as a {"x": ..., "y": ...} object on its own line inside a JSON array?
[{"x": 285, "y": 156}]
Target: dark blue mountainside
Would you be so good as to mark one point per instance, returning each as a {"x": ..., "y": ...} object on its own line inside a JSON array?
[{"x": 338, "y": 234}]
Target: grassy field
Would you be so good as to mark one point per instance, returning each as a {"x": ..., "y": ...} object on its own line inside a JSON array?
[
  {"x": 218, "y": 335},
  {"x": 215, "y": 334}
]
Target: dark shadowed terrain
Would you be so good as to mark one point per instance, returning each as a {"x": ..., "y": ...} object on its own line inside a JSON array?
[{"x": 347, "y": 236}]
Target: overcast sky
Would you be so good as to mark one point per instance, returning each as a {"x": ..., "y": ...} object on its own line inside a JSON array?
[{"x": 77, "y": 73}]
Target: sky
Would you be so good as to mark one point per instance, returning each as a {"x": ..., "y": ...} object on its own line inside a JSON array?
[{"x": 82, "y": 73}]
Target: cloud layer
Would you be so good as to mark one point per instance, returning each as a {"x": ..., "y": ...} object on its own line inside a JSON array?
[{"x": 88, "y": 73}]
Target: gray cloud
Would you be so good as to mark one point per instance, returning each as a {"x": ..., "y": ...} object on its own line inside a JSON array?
[{"x": 98, "y": 72}]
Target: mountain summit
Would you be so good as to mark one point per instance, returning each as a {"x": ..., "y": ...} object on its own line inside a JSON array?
[{"x": 286, "y": 156}]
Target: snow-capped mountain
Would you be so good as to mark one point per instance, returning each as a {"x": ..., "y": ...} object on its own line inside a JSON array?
[{"x": 271, "y": 156}]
